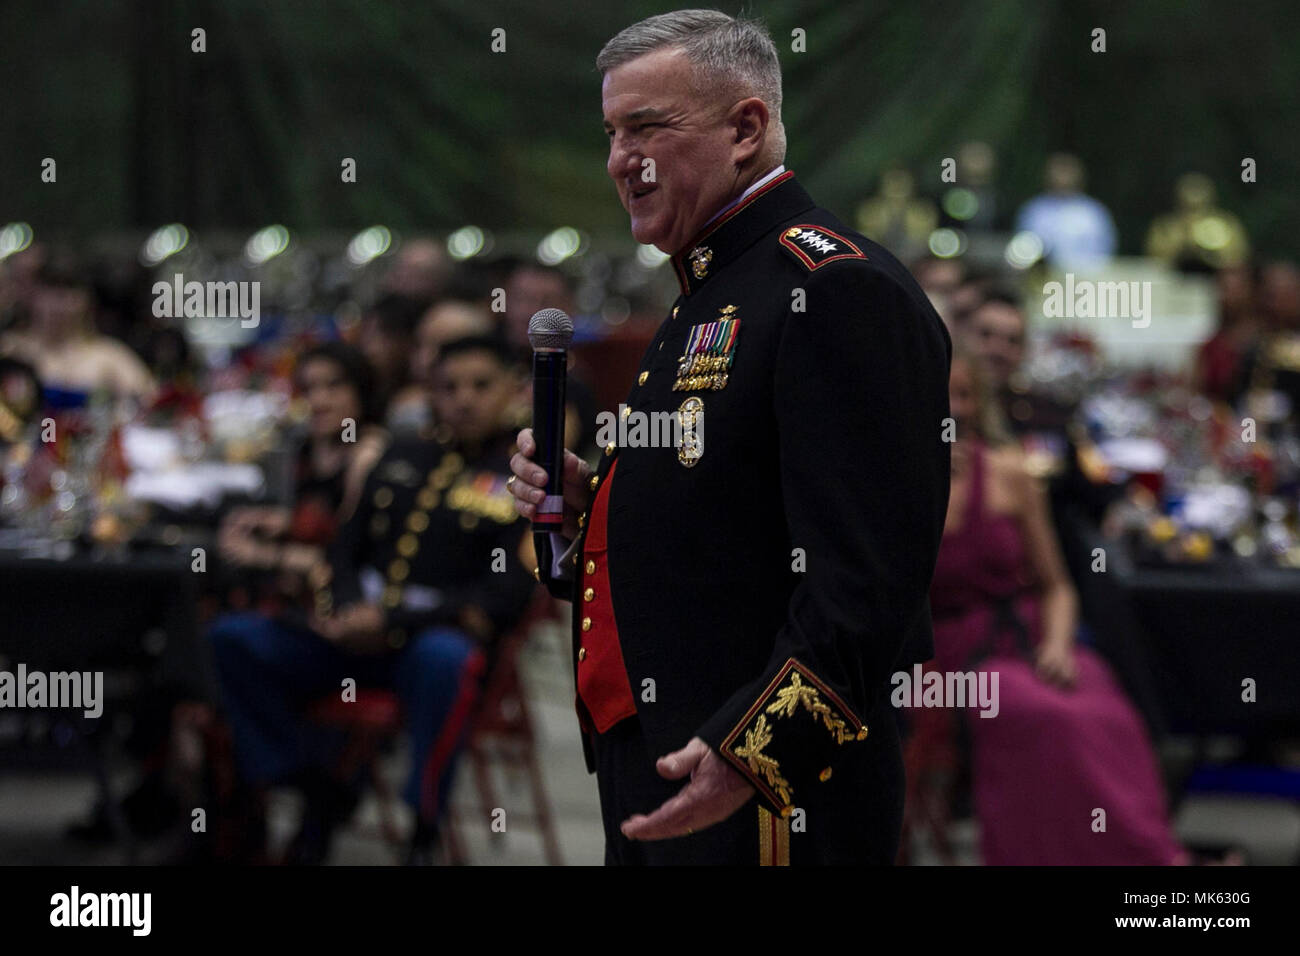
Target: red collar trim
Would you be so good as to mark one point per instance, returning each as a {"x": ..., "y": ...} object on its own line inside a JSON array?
[{"x": 708, "y": 230}]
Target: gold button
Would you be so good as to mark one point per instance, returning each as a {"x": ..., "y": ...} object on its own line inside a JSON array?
[
  {"x": 862, "y": 733},
  {"x": 537, "y": 573},
  {"x": 825, "y": 775},
  {"x": 787, "y": 810},
  {"x": 582, "y": 653},
  {"x": 640, "y": 379},
  {"x": 586, "y": 624},
  {"x": 407, "y": 545},
  {"x": 383, "y": 497},
  {"x": 589, "y": 594},
  {"x": 595, "y": 480},
  {"x": 609, "y": 449},
  {"x": 398, "y": 570},
  {"x": 417, "y": 521},
  {"x": 591, "y": 566}
]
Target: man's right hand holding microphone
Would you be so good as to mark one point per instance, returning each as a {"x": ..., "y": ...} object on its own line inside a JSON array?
[{"x": 529, "y": 483}]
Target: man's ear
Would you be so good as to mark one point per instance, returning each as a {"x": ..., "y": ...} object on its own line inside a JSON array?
[{"x": 749, "y": 119}]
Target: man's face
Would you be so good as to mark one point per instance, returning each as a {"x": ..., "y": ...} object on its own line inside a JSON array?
[
  {"x": 441, "y": 324},
  {"x": 528, "y": 291},
  {"x": 471, "y": 391},
  {"x": 57, "y": 310},
  {"x": 330, "y": 397},
  {"x": 997, "y": 333},
  {"x": 389, "y": 354},
  {"x": 1281, "y": 295},
  {"x": 651, "y": 113}
]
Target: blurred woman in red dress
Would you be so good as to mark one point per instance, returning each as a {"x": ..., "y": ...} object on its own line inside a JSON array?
[{"x": 1065, "y": 772}]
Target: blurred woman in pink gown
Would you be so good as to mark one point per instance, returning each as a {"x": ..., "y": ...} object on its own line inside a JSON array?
[{"x": 1065, "y": 772}]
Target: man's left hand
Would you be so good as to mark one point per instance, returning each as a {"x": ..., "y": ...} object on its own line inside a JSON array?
[{"x": 715, "y": 792}]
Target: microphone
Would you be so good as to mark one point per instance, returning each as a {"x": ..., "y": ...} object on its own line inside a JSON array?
[{"x": 550, "y": 331}]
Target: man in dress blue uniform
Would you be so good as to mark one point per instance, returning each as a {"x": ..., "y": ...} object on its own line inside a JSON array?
[
  {"x": 741, "y": 599},
  {"x": 422, "y": 579}
]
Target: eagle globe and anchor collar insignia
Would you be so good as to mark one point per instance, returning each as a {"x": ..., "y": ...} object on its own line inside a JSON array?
[
  {"x": 710, "y": 352},
  {"x": 701, "y": 256},
  {"x": 708, "y": 253}
]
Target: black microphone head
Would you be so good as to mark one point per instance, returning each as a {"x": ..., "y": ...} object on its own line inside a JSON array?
[{"x": 550, "y": 329}]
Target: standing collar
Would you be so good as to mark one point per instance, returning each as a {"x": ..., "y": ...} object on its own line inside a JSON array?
[
  {"x": 737, "y": 228},
  {"x": 753, "y": 187}
]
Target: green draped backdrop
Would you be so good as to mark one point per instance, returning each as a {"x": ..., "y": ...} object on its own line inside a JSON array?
[{"x": 446, "y": 132}]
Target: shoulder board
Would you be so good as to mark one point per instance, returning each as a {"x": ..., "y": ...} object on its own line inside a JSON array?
[{"x": 814, "y": 246}]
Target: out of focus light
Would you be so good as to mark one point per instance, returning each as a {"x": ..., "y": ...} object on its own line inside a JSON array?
[
  {"x": 369, "y": 244},
  {"x": 558, "y": 246},
  {"x": 648, "y": 257},
  {"x": 266, "y": 244},
  {"x": 947, "y": 243},
  {"x": 960, "y": 203},
  {"x": 1212, "y": 232},
  {"x": 1024, "y": 249},
  {"x": 15, "y": 237},
  {"x": 465, "y": 242},
  {"x": 163, "y": 243}
]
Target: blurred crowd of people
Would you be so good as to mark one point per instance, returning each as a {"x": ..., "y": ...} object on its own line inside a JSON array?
[
  {"x": 393, "y": 557},
  {"x": 1067, "y": 739},
  {"x": 397, "y": 417}
]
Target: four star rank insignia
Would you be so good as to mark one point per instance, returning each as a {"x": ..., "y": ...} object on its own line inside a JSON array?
[{"x": 814, "y": 246}]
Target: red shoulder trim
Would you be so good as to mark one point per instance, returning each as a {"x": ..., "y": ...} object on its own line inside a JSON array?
[{"x": 815, "y": 246}]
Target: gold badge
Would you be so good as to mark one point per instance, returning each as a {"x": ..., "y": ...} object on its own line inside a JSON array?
[
  {"x": 701, "y": 256},
  {"x": 690, "y": 418}
]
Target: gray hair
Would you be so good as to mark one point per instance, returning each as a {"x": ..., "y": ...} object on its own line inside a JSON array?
[{"x": 731, "y": 56}]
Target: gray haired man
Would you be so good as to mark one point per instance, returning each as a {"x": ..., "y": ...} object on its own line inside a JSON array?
[{"x": 740, "y": 605}]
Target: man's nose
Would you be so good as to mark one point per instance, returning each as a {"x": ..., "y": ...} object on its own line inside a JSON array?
[{"x": 623, "y": 162}]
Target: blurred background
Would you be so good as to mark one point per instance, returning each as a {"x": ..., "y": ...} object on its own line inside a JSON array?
[{"x": 1169, "y": 160}]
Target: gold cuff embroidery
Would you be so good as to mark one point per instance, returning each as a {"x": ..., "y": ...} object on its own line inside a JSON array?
[
  {"x": 789, "y": 698},
  {"x": 802, "y": 692},
  {"x": 756, "y": 740}
]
